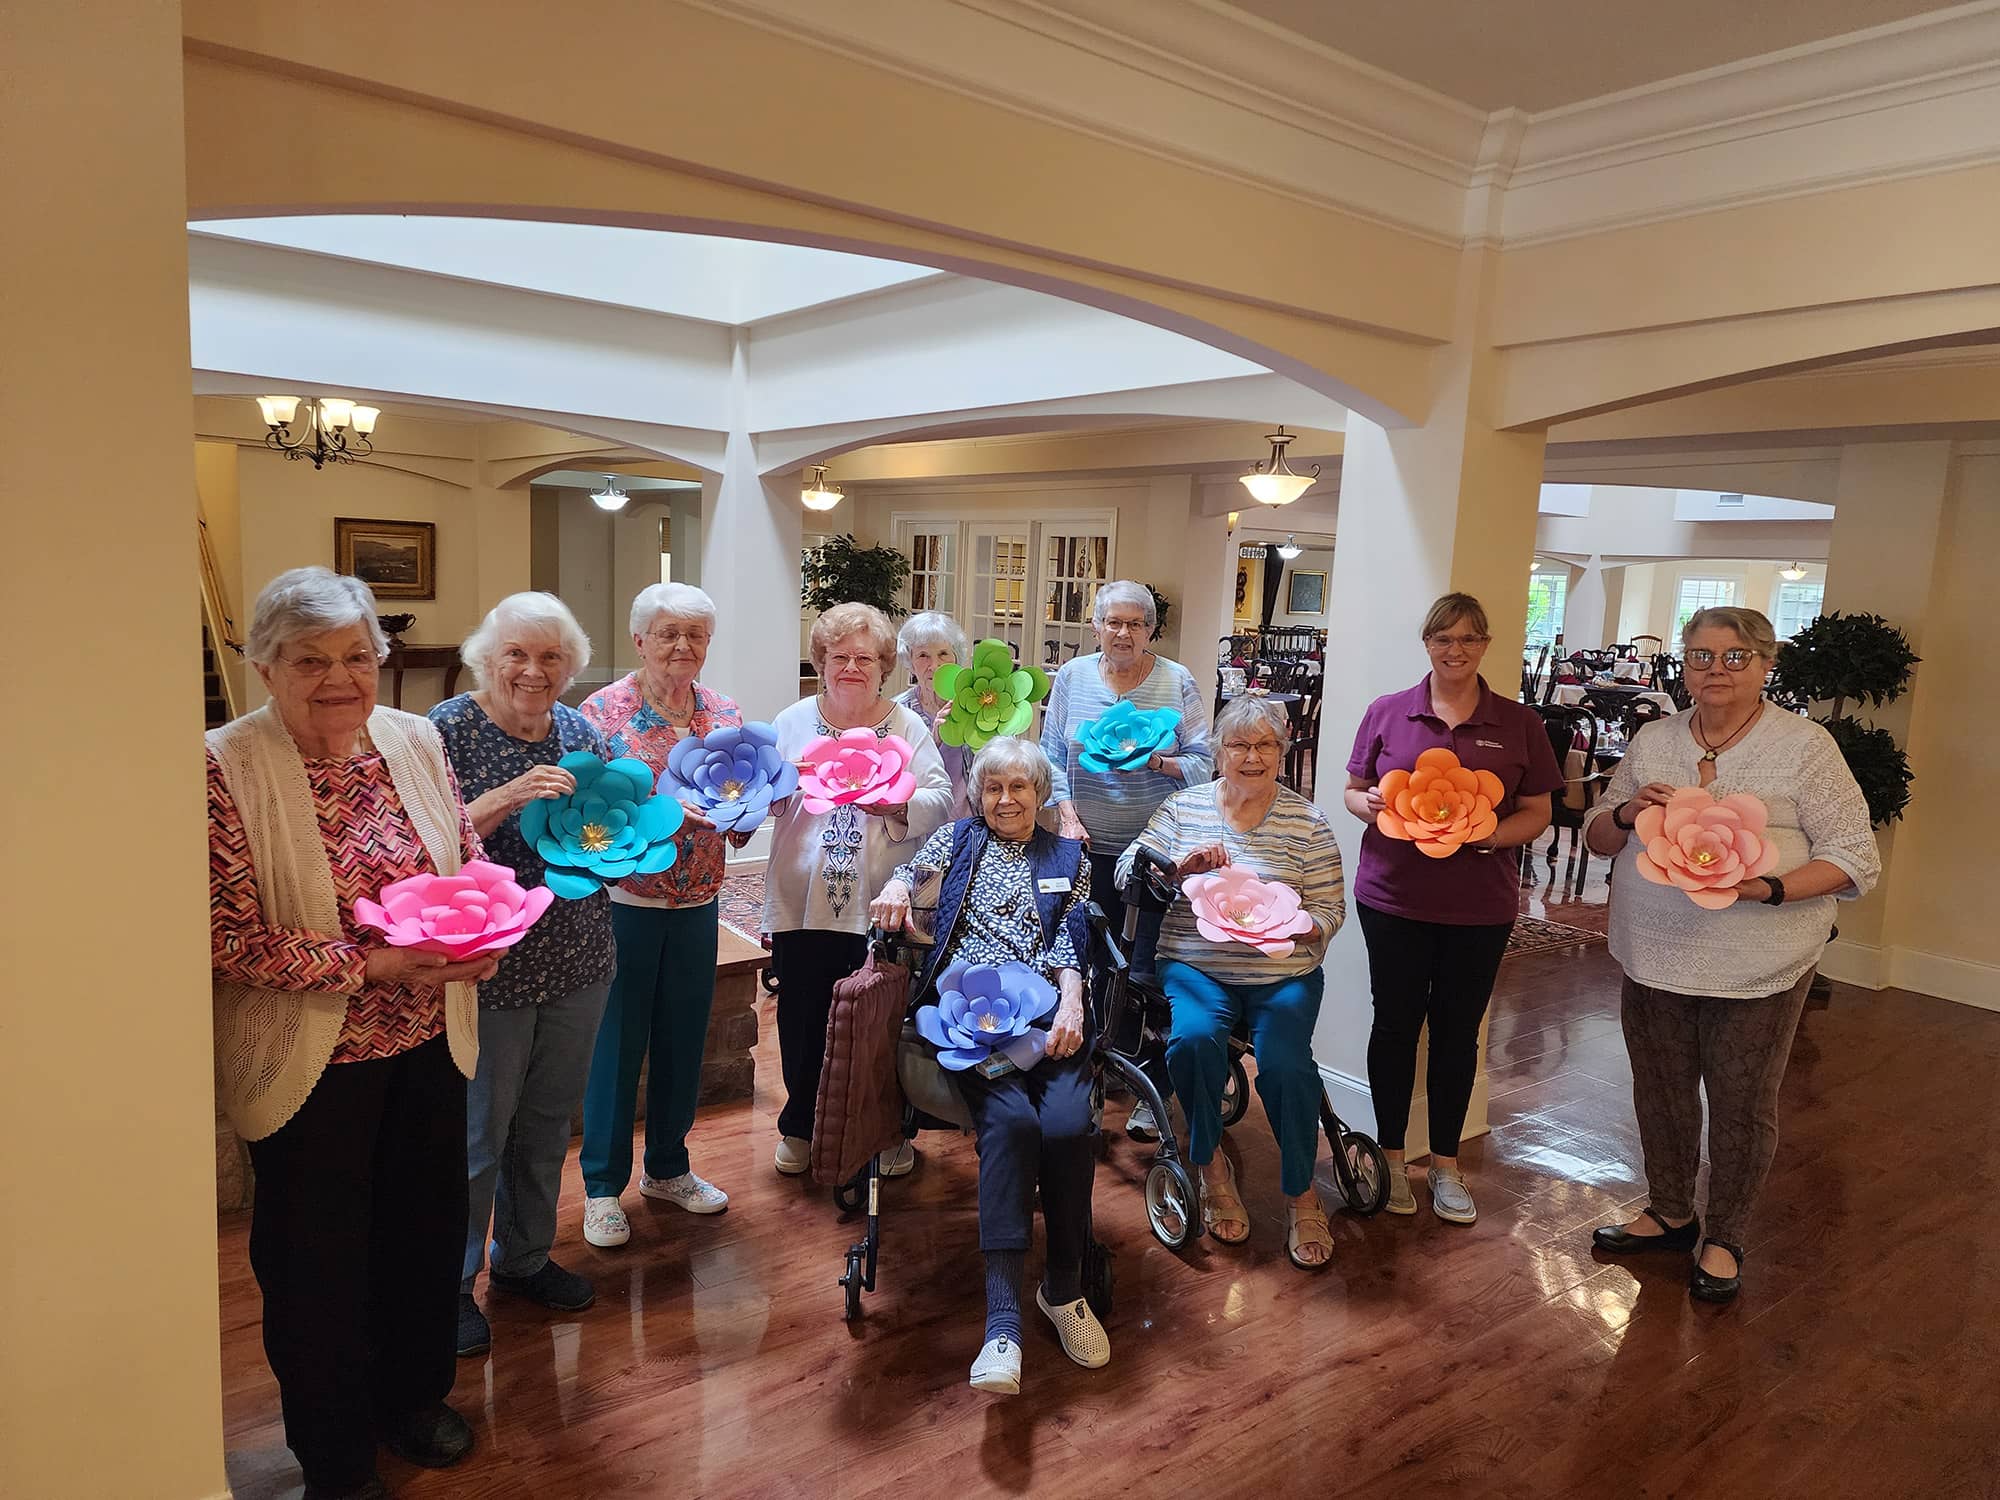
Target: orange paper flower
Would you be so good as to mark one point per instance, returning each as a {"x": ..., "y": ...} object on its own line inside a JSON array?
[
  {"x": 1705, "y": 847},
  {"x": 1440, "y": 805}
]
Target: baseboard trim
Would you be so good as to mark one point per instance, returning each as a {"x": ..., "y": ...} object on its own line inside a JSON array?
[
  {"x": 1356, "y": 1108},
  {"x": 1960, "y": 980},
  {"x": 1856, "y": 963}
]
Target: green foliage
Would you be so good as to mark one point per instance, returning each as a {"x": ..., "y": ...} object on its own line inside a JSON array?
[
  {"x": 1161, "y": 604},
  {"x": 839, "y": 571},
  {"x": 1839, "y": 656},
  {"x": 1878, "y": 764}
]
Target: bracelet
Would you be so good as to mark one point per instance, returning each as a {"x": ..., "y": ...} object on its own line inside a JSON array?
[
  {"x": 1620, "y": 822},
  {"x": 1777, "y": 896}
]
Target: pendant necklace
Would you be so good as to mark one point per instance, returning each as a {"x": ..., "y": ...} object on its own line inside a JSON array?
[{"x": 1709, "y": 752}]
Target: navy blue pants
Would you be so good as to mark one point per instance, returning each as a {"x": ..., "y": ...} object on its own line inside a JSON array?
[{"x": 1035, "y": 1126}]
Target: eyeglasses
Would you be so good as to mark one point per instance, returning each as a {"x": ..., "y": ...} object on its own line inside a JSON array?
[
  {"x": 1251, "y": 747},
  {"x": 1446, "y": 642},
  {"x": 312, "y": 667},
  {"x": 675, "y": 637},
  {"x": 1124, "y": 627},
  {"x": 845, "y": 663},
  {"x": 1702, "y": 659}
]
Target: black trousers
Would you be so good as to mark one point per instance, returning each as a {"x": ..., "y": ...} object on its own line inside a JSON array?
[
  {"x": 1035, "y": 1127},
  {"x": 810, "y": 963},
  {"x": 1104, "y": 891},
  {"x": 1426, "y": 972},
  {"x": 355, "y": 1239}
]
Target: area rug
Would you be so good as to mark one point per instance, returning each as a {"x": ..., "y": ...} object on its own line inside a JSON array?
[
  {"x": 1537, "y": 935},
  {"x": 743, "y": 903}
]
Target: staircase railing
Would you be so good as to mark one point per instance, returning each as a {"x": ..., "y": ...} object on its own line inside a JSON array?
[{"x": 215, "y": 615}]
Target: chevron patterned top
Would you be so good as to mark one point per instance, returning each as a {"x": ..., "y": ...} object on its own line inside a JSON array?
[{"x": 370, "y": 841}]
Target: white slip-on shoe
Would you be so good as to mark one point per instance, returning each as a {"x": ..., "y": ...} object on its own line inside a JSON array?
[
  {"x": 604, "y": 1223},
  {"x": 1083, "y": 1337},
  {"x": 1140, "y": 1124},
  {"x": 997, "y": 1371},
  {"x": 1450, "y": 1198},
  {"x": 795, "y": 1155},
  {"x": 1401, "y": 1199},
  {"x": 898, "y": 1161},
  {"x": 685, "y": 1191}
]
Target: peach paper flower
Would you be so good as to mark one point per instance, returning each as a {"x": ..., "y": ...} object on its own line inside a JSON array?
[
  {"x": 855, "y": 766},
  {"x": 1440, "y": 806},
  {"x": 1232, "y": 905},
  {"x": 1705, "y": 847}
]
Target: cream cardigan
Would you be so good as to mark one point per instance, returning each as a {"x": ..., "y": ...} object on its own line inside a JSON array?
[{"x": 272, "y": 1045}]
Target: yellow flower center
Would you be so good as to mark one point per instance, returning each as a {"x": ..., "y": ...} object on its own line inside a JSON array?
[
  {"x": 731, "y": 790},
  {"x": 1238, "y": 916},
  {"x": 987, "y": 1023},
  {"x": 1441, "y": 813},
  {"x": 595, "y": 838},
  {"x": 986, "y": 699},
  {"x": 1705, "y": 857},
  {"x": 856, "y": 779}
]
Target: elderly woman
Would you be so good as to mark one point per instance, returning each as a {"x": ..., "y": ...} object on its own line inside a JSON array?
[
  {"x": 665, "y": 926},
  {"x": 1711, "y": 998},
  {"x": 537, "y": 1018},
  {"x": 1246, "y": 819},
  {"x": 1106, "y": 809},
  {"x": 823, "y": 865},
  {"x": 926, "y": 642},
  {"x": 340, "y": 1060},
  {"x": 1437, "y": 928},
  {"x": 1015, "y": 893}
]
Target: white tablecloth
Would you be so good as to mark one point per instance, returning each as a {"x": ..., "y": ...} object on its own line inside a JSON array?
[{"x": 1569, "y": 692}]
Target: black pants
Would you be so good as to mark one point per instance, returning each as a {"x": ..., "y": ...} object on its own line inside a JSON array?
[
  {"x": 1426, "y": 972},
  {"x": 1035, "y": 1127},
  {"x": 811, "y": 962},
  {"x": 1104, "y": 891},
  {"x": 356, "y": 1237}
]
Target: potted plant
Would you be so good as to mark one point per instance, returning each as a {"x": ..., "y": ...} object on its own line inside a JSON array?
[
  {"x": 1161, "y": 604},
  {"x": 840, "y": 570},
  {"x": 1841, "y": 657}
]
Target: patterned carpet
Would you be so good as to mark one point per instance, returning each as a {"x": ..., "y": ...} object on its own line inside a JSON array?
[
  {"x": 1537, "y": 935},
  {"x": 743, "y": 903}
]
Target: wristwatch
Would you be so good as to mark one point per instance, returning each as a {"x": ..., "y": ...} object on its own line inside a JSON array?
[
  {"x": 1777, "y": 896},
  {"x": 1620, "y": 822}
]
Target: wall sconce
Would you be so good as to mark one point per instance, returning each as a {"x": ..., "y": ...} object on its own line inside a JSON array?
[{"x": 336, "y": 431}]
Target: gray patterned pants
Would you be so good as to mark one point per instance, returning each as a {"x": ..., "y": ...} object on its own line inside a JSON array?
[{"x": 1738, "y": 1049}]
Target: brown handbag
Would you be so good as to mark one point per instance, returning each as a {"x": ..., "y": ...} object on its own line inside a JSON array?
[{"x": 859, "y": 1110}]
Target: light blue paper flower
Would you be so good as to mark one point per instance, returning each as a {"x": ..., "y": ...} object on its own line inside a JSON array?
[
  {"x": 732, "y": 774},
  {"x": 611, "y": 826},
  {"x": 985, "y": 1008},
  {"x": 1124, "y": 738}
]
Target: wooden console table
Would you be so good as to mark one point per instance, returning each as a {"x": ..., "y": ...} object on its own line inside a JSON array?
[{"x": 420, "y": 658}]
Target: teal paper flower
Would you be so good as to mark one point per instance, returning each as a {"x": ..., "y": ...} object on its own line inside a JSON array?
[
  {"x": 990, "y": 697},
  {"x": 1124, "y": 738},
  {"x": 610, "y": 827}
]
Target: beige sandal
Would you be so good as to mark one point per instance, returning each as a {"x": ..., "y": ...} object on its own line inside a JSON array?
[
  {"x": 1221, "y": 1206},
  {"x": 1309, "y": 1227}
]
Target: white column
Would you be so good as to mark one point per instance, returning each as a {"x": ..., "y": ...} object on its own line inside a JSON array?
[
  {"x": 1584, "y": 613},
  {"x": 1206, "y": 584}
]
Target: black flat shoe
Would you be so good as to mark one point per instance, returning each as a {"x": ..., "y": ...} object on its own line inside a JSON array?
[
  {"x": 1706, "y": 1288},
  {"x": 475, "y": 1335},
  {"x": 435, "y": 1438},
  {"x": 1616, "y": 1239},
  {"x": 553, "y": 1287}
]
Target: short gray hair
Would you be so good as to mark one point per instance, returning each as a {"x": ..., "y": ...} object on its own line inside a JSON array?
[
  {"x": 931, "y": 628},
  {"x": 1008, "y": 756},
  {"x": 1749, "y": 624},
  {"x": 529, "y": 616},
  {"x": 680, "y": 601},
  {"x": 1246, "y": 711},
  {"x": 1125, "y": 591},
  {"x": 310, "y": 601}
]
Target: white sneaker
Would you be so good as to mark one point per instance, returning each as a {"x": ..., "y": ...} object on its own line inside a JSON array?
[
  {"x": 685, "y": 1191},
  {"x": 997, "y": 1371},
  {"x": 898, "y": 1161},
  {"x": 1083, "y": 1337},
  {"x": 1140, "y": 1124},
  {"x": 795, "y": 1155},
  {"x": 604, "y": 1223}
]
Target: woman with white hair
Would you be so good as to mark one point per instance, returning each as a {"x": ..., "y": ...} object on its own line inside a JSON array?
[
  {"x": 927, "y": 641},
  {"x": 538, "y": 1018},
  {"x": 666, "y": 931},
  {"x": 341, "y": 1060},
  {"x": 1107, "y": 809},
  {"x": 1012, "y": 892}
]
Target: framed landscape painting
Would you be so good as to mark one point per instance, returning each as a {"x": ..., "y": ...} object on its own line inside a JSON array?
[{"x": 397, "y": 559}]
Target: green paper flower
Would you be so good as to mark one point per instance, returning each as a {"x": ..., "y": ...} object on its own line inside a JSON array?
[{"x": 990, "y": 696}]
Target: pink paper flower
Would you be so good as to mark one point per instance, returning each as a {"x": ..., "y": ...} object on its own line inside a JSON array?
[
  {"x": 479, "y": 910},
  {"x": 1232, "y": 905},
  {"x": 855, "y": 766},
  {"x": 1705, "y": 847}
]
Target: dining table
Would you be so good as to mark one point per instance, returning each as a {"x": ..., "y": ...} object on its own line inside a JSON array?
[{"x": 1578, "y": 692}]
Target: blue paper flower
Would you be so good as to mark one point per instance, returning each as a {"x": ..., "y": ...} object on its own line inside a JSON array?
[
  {"x": 732, "y": 774},
  {"x": 611, "y": 826},
  {"x": 1124, "y": 738},
  {"x": 982, "y": 1009}
]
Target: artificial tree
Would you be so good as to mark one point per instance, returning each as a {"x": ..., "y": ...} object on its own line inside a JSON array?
[
  {"x": 1841, "y": 657},
  {"x": 841, "y": 571},
  {"x": 1161, "y": 604}
]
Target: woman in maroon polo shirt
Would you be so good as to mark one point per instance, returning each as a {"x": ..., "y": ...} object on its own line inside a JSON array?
[{"x": 1436, "y": 928}]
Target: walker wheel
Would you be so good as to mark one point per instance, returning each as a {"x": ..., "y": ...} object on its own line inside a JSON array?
[
  {"x": 1172, "y": 1205},
  {"x": 768, "y": 977},
  {"x": 852, "y": 1282},
  {"x": 1235, "y": 1093},
  {"x": 1362, "y": 1169}
]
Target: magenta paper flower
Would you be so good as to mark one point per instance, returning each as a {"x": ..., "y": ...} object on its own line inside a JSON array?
[
  {"x": 479, "y": 910},
  {"x": 1705, "y": 847},
  {"x": 855, "y": 767},
  {"x": 1231, "y": 905}
]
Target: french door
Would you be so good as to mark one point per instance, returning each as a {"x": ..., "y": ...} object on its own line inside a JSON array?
[{"x": 1030, "y": 582}]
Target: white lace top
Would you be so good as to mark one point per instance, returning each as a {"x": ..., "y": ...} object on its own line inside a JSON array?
[{"x": 1748, "y": 950}]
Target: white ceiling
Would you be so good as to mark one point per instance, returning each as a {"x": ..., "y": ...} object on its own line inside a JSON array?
[{"x": 1538, "y": 55}]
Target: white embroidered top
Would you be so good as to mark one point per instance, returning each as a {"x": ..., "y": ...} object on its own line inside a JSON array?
[{"x": 1748, "y": 950}]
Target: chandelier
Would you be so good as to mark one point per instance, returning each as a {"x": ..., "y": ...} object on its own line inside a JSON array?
[
  {"x": 610, "y": 497},
  {"x": 1271, "y": 481},
  {"x": 336, "y": 430},
  {"x": 818, "y": 494}
]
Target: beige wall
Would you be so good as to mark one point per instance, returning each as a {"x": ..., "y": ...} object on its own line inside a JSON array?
[{"x": 1650, "y": 591}]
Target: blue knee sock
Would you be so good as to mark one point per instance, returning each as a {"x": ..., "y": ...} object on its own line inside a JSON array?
[{"x": 1003, "y": 1294}]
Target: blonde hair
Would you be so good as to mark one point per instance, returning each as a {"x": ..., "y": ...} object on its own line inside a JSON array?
[
  {"x": 1750, "y": 627},
  {"x": 1449, "y": 610},
  {"x": 844, "y": 620}
]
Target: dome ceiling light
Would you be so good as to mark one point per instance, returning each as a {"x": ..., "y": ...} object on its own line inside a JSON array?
[
  {"x": 1271, "y": 481},
  {"x": 610, "y": 498},
  {"x": 1289, "y": 548},
  {"x": 1793, "y": 573},
  {"x": 818, "y": 493}
]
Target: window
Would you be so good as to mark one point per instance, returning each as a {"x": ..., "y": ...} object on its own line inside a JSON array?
[
  {"x": 1698, "y": 594},
  {"x": 1798, "y": 606},
  {"x": 1547, "y": 594},
  {"x": 1029, "y": 581},
  {"x": 931, "y": 569}
]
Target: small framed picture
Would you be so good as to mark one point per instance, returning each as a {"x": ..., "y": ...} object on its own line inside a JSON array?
[
  {"x": 397, "y": 559},
  {"x": 1306, "y": 594}
]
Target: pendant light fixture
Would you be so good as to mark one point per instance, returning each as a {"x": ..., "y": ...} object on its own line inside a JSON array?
[
  {"x": 337, "y": 431},
  {"x": 1289, "y": 548},
  {"x": 818, "y": 494},
  {"x": 1271, "y": 481},
  {"x": 1794, "y": 573},
  {"x": 610, "y": 498}
]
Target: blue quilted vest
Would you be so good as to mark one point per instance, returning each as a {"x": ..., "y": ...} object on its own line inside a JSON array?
[{"x": 1049, "y": 858}]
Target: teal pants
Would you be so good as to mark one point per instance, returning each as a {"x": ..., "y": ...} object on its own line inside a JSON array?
[{"x": 660, "y": 1000}]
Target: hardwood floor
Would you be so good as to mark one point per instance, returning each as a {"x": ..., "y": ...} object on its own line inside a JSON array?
[{"x": 1505, "y": 1360}]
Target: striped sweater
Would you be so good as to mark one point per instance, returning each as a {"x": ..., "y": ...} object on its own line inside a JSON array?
[{"x": 1114, "y": 805}]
